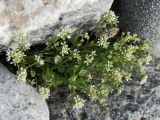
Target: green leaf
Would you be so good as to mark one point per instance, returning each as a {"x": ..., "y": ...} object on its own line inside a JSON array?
[
  {"x": 48, "y": 75},
  {"x": 83, "y": 72},
  {"x": 58, "y": 59},
  {"x": 61, "y": 69},
  {"x": 73, "y": 78},
  {"x": 32, "y": 73},
  {"x": 86, "y": 36},
  {"x": 57, "y": 79}
]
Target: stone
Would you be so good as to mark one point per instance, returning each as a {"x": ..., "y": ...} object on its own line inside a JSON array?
[
  {"x": 141, "y": 17},
  {"x": 41, "y": 18},
  {"x": 19, "y": 101},
  {"x": 136, "y": 102}
]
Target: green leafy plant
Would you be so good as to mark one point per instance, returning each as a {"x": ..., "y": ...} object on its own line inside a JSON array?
[{"x": 85, "y": 62}]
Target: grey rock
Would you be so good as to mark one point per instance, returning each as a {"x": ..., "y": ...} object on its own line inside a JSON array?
[
  {"x": 141, "y": 17},
  {"x": 19, "y": 101},
  {"x": 137, "y": 102},
  {"x": 41, "y": 18}
]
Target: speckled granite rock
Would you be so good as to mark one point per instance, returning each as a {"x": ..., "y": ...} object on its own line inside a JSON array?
[
  {"x": 141, "y": 17},
  {"x": 40, "y": 18},
  {"x": 139, "y": 102},
  {"x": 135, "y": 103},
  {"x": 19, "y": 101}
]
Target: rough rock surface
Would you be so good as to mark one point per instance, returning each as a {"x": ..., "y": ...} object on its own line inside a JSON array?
[
  {"x": 40, "y": 18},
  {"x": 141, "y": 17},
  {"x": 137, "y": 102},
  {"x": 19, "y": 101}
]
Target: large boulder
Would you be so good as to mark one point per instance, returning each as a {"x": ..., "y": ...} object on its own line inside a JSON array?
[
  {"x": 141, "y": 17},
  {"x": 19, "y": 101},
  {"x": 41, "y": 18}
]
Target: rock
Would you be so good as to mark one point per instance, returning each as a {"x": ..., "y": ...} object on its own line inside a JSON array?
[
  {"x": 41, "y": 18},
  {"x": 19, "y": 101},
  {"x": 141, "y": 17},
  {"x": 137, "y": 102}
]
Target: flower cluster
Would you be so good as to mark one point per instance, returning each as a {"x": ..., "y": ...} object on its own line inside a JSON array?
[
  {"x": 65, "y": 49},
  {"x": 144, "y": 79},
  {"x": 26, "y": 46},
  {"x": 39, "y": 59},
  {"x": 22, "y": 75},
  {"x": 44, "y": 92},
  {"x": 21, "y": 38},
  {"x": 64, "y": 33},
  {"x": 15, "y": 55},
  {"x": 102, "y": 42},
  {"x": 76, "y": 54},
  {"x": 92, "y": 92},
  {"x": 110, "y": 19},
  {"x": 90, "y": 57},
  {"x": 79, "y": 102},
  {"x": 56, "y": 44}
]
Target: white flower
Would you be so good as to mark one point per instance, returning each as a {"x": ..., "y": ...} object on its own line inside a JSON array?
[
  {"x": 110, "y": 18},
  {"x": 21, "y": 38},
  {"x": 90, "y": 57},
  {"x": 44, "y": 92},
  {"x": 82, "y": 40},
  {"x": 9, "y": 55},
  {"x": 144, "y": 79},
  {"x": 65, "y": 49},
  {"x": 93, "y": 53},
  {"x": 15, "y": 55},
  {"x": 64, "y": 33},
  {"x": 39, "y": 59},
  {"x": 102, "y": 42},
  {"x": 79, "y": 102},
  {"x": 27, "y": 46},
  {"x": 56, "y": 44},
  {"x": 68, "y": 36},
  {"x": 148, "y": 59},
  {"x": 76, "y": 54},
  {"x": 92, "y": 92},
  {"x": 22, "y": 74}
]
